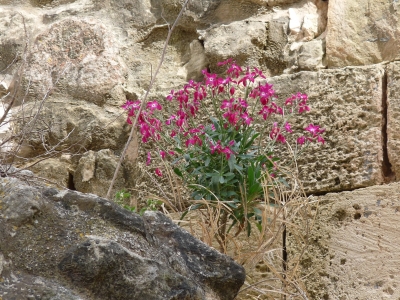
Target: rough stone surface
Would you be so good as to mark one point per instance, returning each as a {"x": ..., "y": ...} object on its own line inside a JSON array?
[
  {"x": 78, "y": 124},
  {"x": 94, "y": 172},
  {"x": 86, "y": 57},
  {"x": 69, "y": 245},
  {"x": 348, "y": 103},
  {"x": 354, "y": 248},
  {"x": 60, "y": 170},
  {"x": 362, "y": 32},
  {"x": 393, "y": 119}
]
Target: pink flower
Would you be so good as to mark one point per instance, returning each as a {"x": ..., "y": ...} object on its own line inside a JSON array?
[
  {"x": 211, "y": 79},
  {"x": 301, "y": 140},
  {"x": 288, "y": 128},
  {"x": 303, "y": 108},
  {"x": 242, "y": 103},
  {"x": 234, "y": 70},
  {"x": 154, "y": 105},
  {"x": 258, "y": 72},
  {"x": 232, "y": 91},
  {"x": 232, "y": 117},
  {"x": 216, "y": 147},
  {"x": 131, "y": 105},
  {"x": 265, "y": 111},
  {"x": 162, "y": 154},
  {"x": 227, "y": 151},
  {"x": 314, "y": 129},
  {"x": 320, "y": 139},
  {"x": 248, "y": 77},
  {"x": 276, "y": 135},
  {"x": 148, "y": 161},
  {"x": 171, "y": 95},
  {"x": 158, "y": 172},
  {"x": 246, "y": 118},
  {"x": 170, "y": 119},
  {"x": 227, "y": 103},
  {"x": 193, "y": 141}
]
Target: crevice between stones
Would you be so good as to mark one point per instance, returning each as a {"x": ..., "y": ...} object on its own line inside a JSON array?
[{"x": 387, "y": 172}]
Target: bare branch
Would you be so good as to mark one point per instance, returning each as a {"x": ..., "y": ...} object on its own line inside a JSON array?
[{"x": 153, "y": 79}]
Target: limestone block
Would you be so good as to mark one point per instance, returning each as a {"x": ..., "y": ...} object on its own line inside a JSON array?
[
  {"x": 303, "y": 23},
  {"x": 79, "y": 59},
  {"x": 393, "y": 118},
  {"x": 306, "y": 56},
  {"x": 362, "y": 32},
  {"x": 348, "y": 103},
  {"x": 12, "y": 39},
  {"x": 57, "y": 171},
  {"x": 354, "y": 246},
  {"x": 94, "y": 172},
  {"x": 79, "y": 125},
  {"x": 238, "y": 40}
]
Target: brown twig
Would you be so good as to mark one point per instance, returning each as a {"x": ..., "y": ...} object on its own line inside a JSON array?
[{"x": 153, "y": 79}]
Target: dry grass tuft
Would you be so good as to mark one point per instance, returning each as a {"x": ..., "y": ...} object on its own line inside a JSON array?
[{"x": 286, "y": 211}]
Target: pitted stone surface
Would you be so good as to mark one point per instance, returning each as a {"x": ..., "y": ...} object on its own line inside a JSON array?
[
  {"x": 348, "y": 103},
  {"x": 354, "y": 246}
]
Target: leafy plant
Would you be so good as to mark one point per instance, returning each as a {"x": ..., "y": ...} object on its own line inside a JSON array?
[
  {"x": 221, "y": 139},
  {"x": 123, "y": 195}
]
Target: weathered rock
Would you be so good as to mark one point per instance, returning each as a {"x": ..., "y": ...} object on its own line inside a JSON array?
[
  {"x": 58, "y": 171},
  {"x": 392, "y": 99},
  {"x": 76, "y": 125},
  {"x": 76, "y": 246},
  {"x": 354, "y": 245},
  {"x": 348, "y": 103},
  {"x": 240, "y": 40},
  {"x": 94, "y": 172},
  {"x": 362, "y": 32},
  {"x": 77, "y": 57}
]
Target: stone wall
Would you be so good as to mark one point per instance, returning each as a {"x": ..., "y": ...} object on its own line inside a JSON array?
[{"x": 86, "y": 57}]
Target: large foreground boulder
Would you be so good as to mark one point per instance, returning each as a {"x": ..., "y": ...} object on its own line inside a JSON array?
[{"x": 69, "y": 245}]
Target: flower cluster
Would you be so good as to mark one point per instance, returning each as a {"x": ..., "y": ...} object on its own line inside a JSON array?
[{"x": 223, "y": 155}]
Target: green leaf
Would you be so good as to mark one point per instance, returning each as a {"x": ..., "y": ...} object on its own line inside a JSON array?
[
  {"x": 215, "y": 179},
  {"x": 178, "y": 172},
  {"x": 195, "y": 206},
  {"x": 250, "y": 142},
  {"x": 248, "y": 228}
]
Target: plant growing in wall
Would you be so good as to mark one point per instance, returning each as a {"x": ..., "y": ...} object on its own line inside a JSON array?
[{"x": 220, "y": 137}]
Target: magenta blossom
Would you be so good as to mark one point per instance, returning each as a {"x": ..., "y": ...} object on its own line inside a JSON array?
[
  {"x": 314, "y": 129},
  {"x": 162, "y": 154},
  {"x": 227, "y": 103},
  {"x": 246, "y": 118},
  {"x": 227, "y": 151},
  {"x": 131, "y": 105},
  {"x": 148, "y": 161},
  {"x": 158, "y": 172},
  {"x": 275, "y": 133},
  {"x": 154, "y": 105},
  {"x": 288, "y": 127}
]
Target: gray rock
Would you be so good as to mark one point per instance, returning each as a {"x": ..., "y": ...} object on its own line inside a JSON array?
[{"x": 69, "y": 245}]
